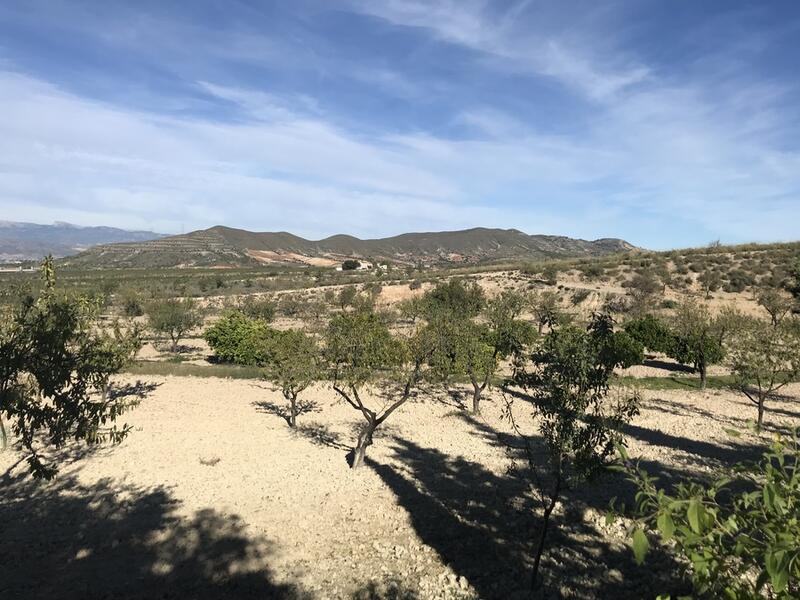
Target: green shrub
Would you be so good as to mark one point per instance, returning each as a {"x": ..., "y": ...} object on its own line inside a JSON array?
[
  {"x": 239, "y": 339},
  {"x": 669, "y": 304},
  {"x": 455, "y": 297},
  {"x": 651, "y": 332},
  {"x": 350, "y": 265}
]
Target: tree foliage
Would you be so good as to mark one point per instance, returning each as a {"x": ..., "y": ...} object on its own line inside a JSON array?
[
  {"x": 698, "y": 341},
  {"x": 361, "y": 353},
  {"x": 651, "y": 332},
  {"x": 350, "y": 265},
  {"x": 545, "y": 307},
  {"x": 566, "y": 382},
  {"x": 293, "y": 364},
  {"x": 259, "y": 308},
  {"x": 777, "y": 304},
  {"x": 55, "y": 365},
  {"x": 454, "y": 299},
  {"x": 710, "y": 281},
  {"x": 173, "y": 318},
  {"x": 240, "y": 339},
  {"x": 740, "y": 535},
  {"x": 460, "y": 346},
  {"x": 765, "y": 358},
  {"x": 346, "y": 296}
]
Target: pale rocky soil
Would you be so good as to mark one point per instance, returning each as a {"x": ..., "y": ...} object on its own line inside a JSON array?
[{"x": 213, "y": 496}]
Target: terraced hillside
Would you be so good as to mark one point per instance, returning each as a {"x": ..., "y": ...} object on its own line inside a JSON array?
[{"x": 224, "y": 246}]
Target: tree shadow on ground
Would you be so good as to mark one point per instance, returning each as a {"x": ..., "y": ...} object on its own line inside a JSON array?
[
  {"x": 710, "y": 455},
  {"x": 64, "y": 539},
  {"x": 135, "y": 391},
  {"x": 284, "y": 410},
  {"x": 667, "y": 365},
  {"x": 321, "y": 435},
  {"x": 483, "y": 526}
]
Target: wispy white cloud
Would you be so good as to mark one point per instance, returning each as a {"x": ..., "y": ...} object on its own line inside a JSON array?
[
  {"x": 655, "y": 159},
  {"x": 528, "y": 45}
]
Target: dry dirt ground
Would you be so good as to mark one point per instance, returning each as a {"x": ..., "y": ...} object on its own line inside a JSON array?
[{"x": 213, "y": 496}]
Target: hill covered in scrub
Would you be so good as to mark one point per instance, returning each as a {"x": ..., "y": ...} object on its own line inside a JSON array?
[
  {"x": 225, "y": 246},
  {"x": 32, "y": 241}
]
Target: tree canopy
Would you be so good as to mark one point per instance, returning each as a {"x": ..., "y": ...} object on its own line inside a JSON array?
[{"x": 55, "y": 364}]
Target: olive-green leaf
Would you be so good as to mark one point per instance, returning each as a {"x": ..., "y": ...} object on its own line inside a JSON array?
[
  {"x": 777, "y": 564},
  {"x": 640, "y": 546},
  {"x": 666, "y": 526},
  {"x": 695, "y": 515}
]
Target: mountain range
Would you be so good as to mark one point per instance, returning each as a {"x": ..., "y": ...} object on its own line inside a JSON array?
[
  {"x": 225, "y": 246},
  {"x": 31, "y": 241}
]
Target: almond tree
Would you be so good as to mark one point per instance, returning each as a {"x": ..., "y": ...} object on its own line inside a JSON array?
[
  {"x": 362, "y": 354},
  {"x": 55, "y": 365},
  {"x": 697, "y": 340},
  {"x": 566, "y": 383},
  {"x": 173, "y": 318},
  {"x": 764, "y": 359},
  {"x": 465, "y": 347},
  {"x": 293, "y": 364},
  {"x": 776, "y": 304}
]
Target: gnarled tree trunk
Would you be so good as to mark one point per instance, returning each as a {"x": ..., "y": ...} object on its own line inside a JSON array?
[{"x": 364, "y": 441}]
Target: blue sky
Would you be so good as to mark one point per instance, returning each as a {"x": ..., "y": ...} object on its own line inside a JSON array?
[{"x": 668, "y": 124}]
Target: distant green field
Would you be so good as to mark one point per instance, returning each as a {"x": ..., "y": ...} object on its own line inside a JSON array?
[{"x": 158, "y": 368}]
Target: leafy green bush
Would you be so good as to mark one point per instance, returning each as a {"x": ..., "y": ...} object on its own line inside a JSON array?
[
  {"x": 740, "y": 535},
  {"x": 455, "y": 298},
  {"x": 651, "y": 332},
  {"x": 239, "y": 339},
  {"x": 591, "y": 271}
]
